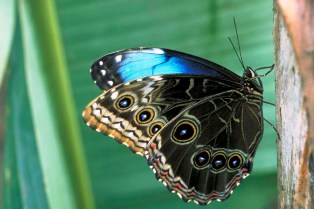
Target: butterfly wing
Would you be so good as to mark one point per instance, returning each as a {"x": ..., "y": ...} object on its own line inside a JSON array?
[
  {"x": 197, "y": 123},
  {"x": 133, "y": 112},
  {"x": 203, "y": 153},
  {"x": 126, "y": 65}
]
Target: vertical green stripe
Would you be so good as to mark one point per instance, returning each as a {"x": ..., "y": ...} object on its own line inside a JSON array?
[
  {"x": 56, "y": 129},
  {"x": 7, "y": 20}
]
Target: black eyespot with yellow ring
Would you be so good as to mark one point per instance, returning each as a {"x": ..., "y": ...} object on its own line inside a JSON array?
[
  {"x": 155, "y": 127},
  {"x": 145, "y": 116},
  {"x": 235, "y": 161},
  {"x": 219, "y": 161},
  {"x": 124, "y": 102},
  {"x": 202, "y": 159},
  {"x": 184, "y": 132}
]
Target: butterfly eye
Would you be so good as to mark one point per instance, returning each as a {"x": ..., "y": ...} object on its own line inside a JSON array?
[
  {"x": 145, "y": 116},
  {"x": 201, "y": 159},
  {"x": 155, "y": 127},
  {"x": 219, "y": 161},
  {"x": 234, "y": 161},
  {"x": 125, "y": 102},
  {"x": 184, "y": 132}
]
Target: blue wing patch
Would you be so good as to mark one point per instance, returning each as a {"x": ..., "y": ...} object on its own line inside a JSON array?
[{"x": 130, "y": 64}]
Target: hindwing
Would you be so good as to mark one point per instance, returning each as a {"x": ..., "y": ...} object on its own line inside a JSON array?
[{"x": 206, "y": 150}]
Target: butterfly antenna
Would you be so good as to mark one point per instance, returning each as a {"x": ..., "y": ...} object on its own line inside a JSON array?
[
  {"x": 236, "y": 29},
  {"x": 239, "y": 55}
]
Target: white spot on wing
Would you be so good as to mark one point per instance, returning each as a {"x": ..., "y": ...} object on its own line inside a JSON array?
[
  {"x": 116, "y": 126},
  {"x": 144, "y": 100},
  {"x": 118, "y": 58},
  {"x": 110, "y": 83},
  {"x": 96, "y": 112},
  {"x": 105, "y": 120},
  {"x": 131, "y": 135},
  {"x": 245, "y": 175},
  {"x": 101, "y": 63},
  {"x": 155, "y": 51},
  {"x": 114, "y": 95},
  {"x": 103, "y": 72},
  {"x": 134, "y": 107},
  {"x": 126, "y": 144},
  {"x": 157, "y": 78},
  {"x": 179, "y": 195},
  {"x": 139, "y": 153}
]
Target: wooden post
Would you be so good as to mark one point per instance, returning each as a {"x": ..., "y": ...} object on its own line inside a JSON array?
[{"x": 294, "y": 58}]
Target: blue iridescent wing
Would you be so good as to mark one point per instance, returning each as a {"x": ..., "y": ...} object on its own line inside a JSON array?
[{"x": 130, "y": 64}]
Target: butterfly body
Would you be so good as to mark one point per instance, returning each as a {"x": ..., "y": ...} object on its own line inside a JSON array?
[{"x": 197, "y": 123}]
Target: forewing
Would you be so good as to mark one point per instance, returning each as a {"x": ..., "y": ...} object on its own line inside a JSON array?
[
  {"x": 133, "y": 112},
  {"x": 127, "y": 65}
]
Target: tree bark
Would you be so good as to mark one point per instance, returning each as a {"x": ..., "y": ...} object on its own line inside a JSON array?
[{"x": 294, "y": 60}]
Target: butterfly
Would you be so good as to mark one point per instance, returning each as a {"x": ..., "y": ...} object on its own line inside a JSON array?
[{"x": 197, "y": 123}]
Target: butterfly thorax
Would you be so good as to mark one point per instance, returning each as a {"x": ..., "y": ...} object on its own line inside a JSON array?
[{"x": 249, "y": 81}]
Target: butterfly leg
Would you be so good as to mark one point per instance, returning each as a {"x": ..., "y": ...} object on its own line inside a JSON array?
[{"x": 271, "y": 68}]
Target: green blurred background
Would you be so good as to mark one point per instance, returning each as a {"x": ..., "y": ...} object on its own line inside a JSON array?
[{"x": 85, "y": 31}]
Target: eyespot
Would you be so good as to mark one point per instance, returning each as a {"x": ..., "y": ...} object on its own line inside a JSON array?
[
  {"x": 202, "y": 159},
  {"x": 124, "y": 102},
  {"x": 219, "y": 161},
  {"x": 184, "y": 132},
  {"x": 155, "y": 127},
  {"x": 235, "y": 161},
  {"x": 145, "y": 116}
]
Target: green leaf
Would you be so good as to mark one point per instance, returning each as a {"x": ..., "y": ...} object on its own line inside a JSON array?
[
  {"x": 20, "y": 141},
  {"x": 55, "y": 125},
  {"x": 7, "y": 23}
]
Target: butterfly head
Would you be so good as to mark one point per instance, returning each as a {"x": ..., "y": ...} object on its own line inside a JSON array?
[{"x": 249, "y": 73}]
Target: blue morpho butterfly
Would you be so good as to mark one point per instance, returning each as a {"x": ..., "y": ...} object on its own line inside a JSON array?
[{"x": 197, "y": 123}]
